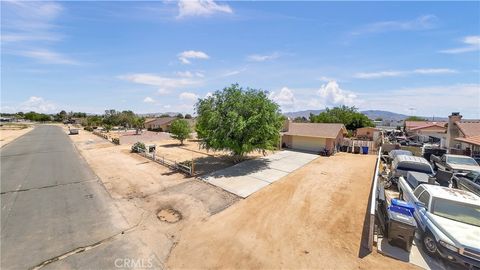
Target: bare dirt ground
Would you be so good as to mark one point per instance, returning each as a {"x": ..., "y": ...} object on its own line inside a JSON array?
[
  {"x": 311, "y": 219},
  {"x": 164, "y": 201},
  {"x": 9, "y": 132},
  {"x": 168, "y": 148}
]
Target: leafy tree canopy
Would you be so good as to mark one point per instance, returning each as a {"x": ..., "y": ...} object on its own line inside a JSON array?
[
  {"x": 300, "y": 119},
  {"x": 188, "y": 116},
  {"x": 415, "y": 118},
  {"x": 180, "y": 130},
  {"x": 238, "y": 120},
  {"x": 179, "y": 115},
  {"x": 349, "y": 116},
  {"x": 33, "y": 116}
]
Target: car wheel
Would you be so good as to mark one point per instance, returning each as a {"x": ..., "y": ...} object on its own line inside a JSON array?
[{"x": 429, "y": 244}]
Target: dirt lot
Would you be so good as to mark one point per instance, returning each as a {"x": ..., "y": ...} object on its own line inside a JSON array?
[
  {"x": 147, "y": 191},
  {"x": 311, "y": 219},
  {"x": 9, "y": 132},
  {"x": 205, "y": 161}
]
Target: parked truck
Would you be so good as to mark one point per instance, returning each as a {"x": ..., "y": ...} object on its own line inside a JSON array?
[
  {"x": 448, "y": 220},
  {"x": 454, "y": 163}
]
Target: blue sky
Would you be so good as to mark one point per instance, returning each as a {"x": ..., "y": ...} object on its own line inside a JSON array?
[{"x": 418, "y": 58}]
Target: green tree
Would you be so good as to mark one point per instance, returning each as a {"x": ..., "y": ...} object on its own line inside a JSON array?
[
  {"x": 138, "y": 123},
  {"x": 179, "y": 115},
  {"x": 188, "y": 116},
  {"x": 107, "y": 127},
  {"x": 300, "y": 119},
  {"x": 415, "y": 118},
  {"x": 349, "y": 116},
  {"x": 239, "y": 121},
  {"x": 180, "y": 130},
  {"x": 378, "y": 119}
]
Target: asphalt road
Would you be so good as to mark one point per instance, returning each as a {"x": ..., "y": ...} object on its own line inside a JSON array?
[{"x": 56, "y": 214}]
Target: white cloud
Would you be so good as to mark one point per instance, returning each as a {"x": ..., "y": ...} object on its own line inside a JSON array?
[
  {"x": 148, "y": 100},
  {"x": 378, "y": 74},
  {"x": 48, "y": 57},
  {"x": 185, "y": 56},
  {"x": 165, "y": 84},
  {"x": 188, "y": 96},
  {"x": 400, "y": 73},
  {"x": 37, "y": 104},
  {"x": 285, "y": 98},
  {"x": 28, "y": 24},
  {"x": 421, "y": 23},
  {"x": 263, "y": 58},
  {"x": 201, "y": 8},
  {"x": 434, "y": 71},
  {"x": 189, "y": 74},
  {"x": 472, "y": 43},
  {"x": 332, "y": 94}
]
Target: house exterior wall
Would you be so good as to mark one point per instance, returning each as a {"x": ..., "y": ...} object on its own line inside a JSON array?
[{"x": 366, "y": 132}]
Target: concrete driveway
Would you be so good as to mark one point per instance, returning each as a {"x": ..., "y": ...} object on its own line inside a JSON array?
[{"x": 250, "y": 176}]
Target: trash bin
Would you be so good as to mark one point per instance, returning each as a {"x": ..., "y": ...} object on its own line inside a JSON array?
[
  {"x": 356, "y": 149},
  {"x": 401, "y": 227},
  {"x": 365, "y": 150},
  {"x": 403, "y": 204}
]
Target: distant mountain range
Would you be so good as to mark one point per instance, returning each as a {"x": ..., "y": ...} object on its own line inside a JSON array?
[{"x": 372, "y": 114}]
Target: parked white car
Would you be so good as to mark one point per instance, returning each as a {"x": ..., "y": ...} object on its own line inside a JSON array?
[{"x": 449, "y": 220}]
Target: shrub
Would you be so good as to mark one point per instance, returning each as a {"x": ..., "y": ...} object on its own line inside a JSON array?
[
  {"x": 138, "y": 147},
  {"x": 88, "y": 129},
  {"x": 116, "y": 141}
]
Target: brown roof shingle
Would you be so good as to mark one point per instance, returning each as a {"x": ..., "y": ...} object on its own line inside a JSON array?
[
  {"x": 322, "y": 130},
  {"x": 475, "y": 140},
  {"x": 469, "y": 128},
  {"x": 161, "y": 120}
]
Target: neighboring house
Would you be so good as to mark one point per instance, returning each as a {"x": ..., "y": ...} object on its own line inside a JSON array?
[
  {"x": 367, "y": 133},
  {"x": 313, "y": 137},
  {"x": 473, "y": 143},
  {"x": 434, "y": 129},
  {"x": 160, "y": 124},
  {"x": 163, "y": 123},
  {"x": 463, "y": 135},
  {"x": 412, "y": 125}
]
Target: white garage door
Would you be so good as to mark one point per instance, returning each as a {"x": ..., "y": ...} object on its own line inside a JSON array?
[{"x": 308, "y": 143}]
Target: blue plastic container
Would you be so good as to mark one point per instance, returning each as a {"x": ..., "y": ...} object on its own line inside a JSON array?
[
  {"x": 400, "y": 210},
  {"x": 365, "y": 150},
  {"x": 403, "y": 204}
]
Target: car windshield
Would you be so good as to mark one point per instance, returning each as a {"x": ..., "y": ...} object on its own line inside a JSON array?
[
  {"x": 395, "y": 153},
  {"x": 415, "y": 167},
  {"x": 462, "y": 161},
  {"x": 472, "y": 175},
  {"x": 461, "y": 212}
]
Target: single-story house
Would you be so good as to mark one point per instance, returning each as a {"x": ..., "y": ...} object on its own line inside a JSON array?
[
  {"x": 367, "y": 133},
  {"x": 434, "y": 129},
  {"x": 163, "y": 123},
  {"x": 463, "y": 135},
  {"x": 160, "y": 124},
  {"x": 412, "y": 125},
  {"x": 313, "y": 137}
]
